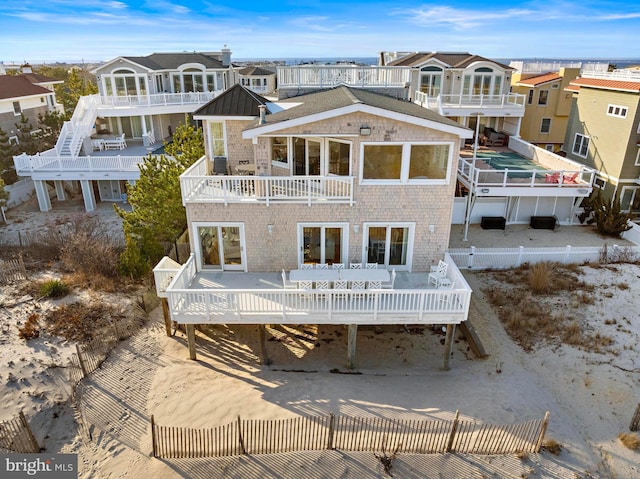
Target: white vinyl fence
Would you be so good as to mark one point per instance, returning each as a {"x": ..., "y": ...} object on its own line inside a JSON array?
[{"x": 504, "y": 258}]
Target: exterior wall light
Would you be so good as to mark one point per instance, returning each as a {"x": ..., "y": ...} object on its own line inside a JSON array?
[
  {"x": 270, "y": 229},
  {"x": 365, "y": 131}
]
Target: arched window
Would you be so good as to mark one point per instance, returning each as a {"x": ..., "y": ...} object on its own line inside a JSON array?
[
  {"x": 125, "y": 82},
  {"x": 431, "y": 80},
  {"x": 483, "y": 81}
]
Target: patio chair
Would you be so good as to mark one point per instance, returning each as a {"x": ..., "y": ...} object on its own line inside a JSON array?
[
  {"x": 340, "y": 284},
  {"x": 322, "y": 266},
  {"x": 286, "y": 283},
  {"x": 307, "y": 266},
  {"x": 357, "y": 284},
  {"x": 389, "y": 285},
  {"x": 371, "y": 266},
  {"x": 374, "y": 285},
  {"x": 355, "y": 266},
  {"x": 219, "y": 165},
  {"x": 554, "y": 178},
  {"x": 337, "y": 266},
  {"x": 305, "y": 284},
  {"x": 438, "y": 273},
  {"x": 570, "y": 178}
]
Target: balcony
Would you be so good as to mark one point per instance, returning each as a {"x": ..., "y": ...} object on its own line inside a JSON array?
[
  {"x": 198, "y": 186},
  {"x": 523, "y": 169},
  {"x": 161, "y": 103},
  {"x": 511, "y": 104},
  {"x": 329, "y": 76},
  {"x": 259, "y": 298}
]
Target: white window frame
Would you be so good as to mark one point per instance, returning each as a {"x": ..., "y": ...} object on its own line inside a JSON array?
[
  {"x": 637, "y": 163},
  {"x": 599, "y": 182},
  {"x": 14, "y": 140},
  {"x": 224, "y": 137},
  {"x": 344, "y": 252},
  {"x": 404, "y": 171},
  {"x": 542, "y": 125},
  {"x": 17, "y": 108},
  {"x": 276, "y": 163},
  {"x": 583, "y": 138},
  {"x": 635, "y": 190},
  {"x": 325, "y": 158},
  {"x": 617, "y": 111},
  {"x": 390, "y": 224},
  {"x": 546, "y": 101},
  {"x": 530, "y": 96},
  {"x": 217, "y": 224},
  {"x": 549, "y": 147}
]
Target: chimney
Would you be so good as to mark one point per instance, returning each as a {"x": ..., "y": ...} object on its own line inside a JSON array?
[
  {"x": 26, "y": 68},
  {"x": 226, "y": 56},
  {"x": 2, "y": 69},
  {"x": 263, "y": 114}
]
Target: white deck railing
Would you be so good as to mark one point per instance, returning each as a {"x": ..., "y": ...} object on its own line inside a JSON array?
[
  {"x": 26, "y": 163},
  {"x": 483, "y": 177},
  {"x": 159, "y": 99},
  {"x": 625, "y": 75},
  {"x": 466, "y": 101},
  {"x": 327, "y": 76}
]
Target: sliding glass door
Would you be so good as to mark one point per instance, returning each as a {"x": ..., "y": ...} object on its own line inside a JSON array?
[
  {"x": 389, "y": 244},
  {"x": 221, "y": 247},
  {"x": 322, "y": 243}
]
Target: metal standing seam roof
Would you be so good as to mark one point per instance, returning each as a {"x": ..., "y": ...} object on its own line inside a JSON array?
[
  {"x": 605, "y": 84},
  {"x": 236, "y": 101},
  {"x": 343, "y": 96}
]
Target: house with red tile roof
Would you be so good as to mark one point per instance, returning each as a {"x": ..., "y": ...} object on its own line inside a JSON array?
[
  {"x": 604, "y": 132},
  {"x": 547, "y": 106}
]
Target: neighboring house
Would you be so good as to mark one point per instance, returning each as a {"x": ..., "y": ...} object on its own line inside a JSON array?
[
  {"x": 258, "y": 79},
  {"x": 604, "y": 132},
  {"x": 28, "y": 94},
  {"x": 339, "y": 176},
  {"x": 547, "y": 106},
  {"x": 141, "y": 101}
]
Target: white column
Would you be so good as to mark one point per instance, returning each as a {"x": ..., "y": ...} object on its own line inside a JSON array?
[
  {"x": 87, "y": 194},
  {"x": 42, "y": 192},
  {"x": 60, "y": 194}
]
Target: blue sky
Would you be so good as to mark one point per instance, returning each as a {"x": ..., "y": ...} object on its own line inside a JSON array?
[{"x": 71, "y": 30}]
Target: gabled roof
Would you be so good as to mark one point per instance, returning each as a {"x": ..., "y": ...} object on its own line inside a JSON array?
[
  {"x": 235, "y": 101},
  {"x": 255, "y": 71},
  {"x": 342, "y": 97},
  {"x": 171, "y": 61},
  {"x": 16, "y": 86},
  {"x": 38, "y": 79},
  {"x": 605, "y": 84},
  {"x": 453, "y": 60},
  {"x": 540, "y": 79}
]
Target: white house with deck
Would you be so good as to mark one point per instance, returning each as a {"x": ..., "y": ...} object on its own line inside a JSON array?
[
  {"x": 141, "y": 101},
  {"x": 294, "y": 200}
]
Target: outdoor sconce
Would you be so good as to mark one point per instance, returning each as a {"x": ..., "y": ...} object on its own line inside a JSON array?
[
  {"x": 356, "y": 228},
  {"x": 484, "y": 190},
  {"x": 270, "y": 229},
  {"x": 432, "y": 228},
  {"x": 365, "y": 131}
]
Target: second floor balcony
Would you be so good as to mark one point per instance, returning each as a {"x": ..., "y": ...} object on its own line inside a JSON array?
[
  {"x": 198, "y": 185},
  {"x": 510, "y": 104}
]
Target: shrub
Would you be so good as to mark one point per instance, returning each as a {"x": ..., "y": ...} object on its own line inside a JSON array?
[
  {"x": 552, "y": 446},
  {"x": 30, "y": 329},
  {"x": 630, "y": 440},
  {"x": 541, "y": 278},
  {"x": 607, "y": 216},
  {"x": 54, "y": 288}
]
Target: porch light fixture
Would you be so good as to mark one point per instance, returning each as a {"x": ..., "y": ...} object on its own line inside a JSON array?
[
  {"x": 365, "y": 131},
  {"x": 356, "y": 228},
  {"x": 270, "y": 229},
  {"x": 484, "y": 190}
]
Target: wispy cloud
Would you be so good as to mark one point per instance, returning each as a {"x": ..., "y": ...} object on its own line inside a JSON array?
[{"x": 461, "y": 18}]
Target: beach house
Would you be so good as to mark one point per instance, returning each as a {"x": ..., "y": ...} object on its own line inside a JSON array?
[{"x": 326, "y": 208}]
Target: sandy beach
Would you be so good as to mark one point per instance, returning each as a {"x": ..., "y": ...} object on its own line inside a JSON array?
[{"x": 591, "y": 396}]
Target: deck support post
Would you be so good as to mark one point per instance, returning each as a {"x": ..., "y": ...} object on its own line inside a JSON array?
[
  {"x": 191, "y": 340},
  {"x": 351, "y": 345},
  {"x": 166, "y": 315},
  {"x": 264, "y": 358},
  {"x": 448, "y": 342}
]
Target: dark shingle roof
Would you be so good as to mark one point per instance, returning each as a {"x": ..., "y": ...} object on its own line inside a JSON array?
[
  {"x": 453, "y": 60},
  {"x": 16, "y": 86},
  {"x": 343, "y": 96},
  {"x": 171, "y": 61},
  {"x": 236, "y": 101},
  {"x": 251, "y": 71},
  {"x": 37, "y": 78}
]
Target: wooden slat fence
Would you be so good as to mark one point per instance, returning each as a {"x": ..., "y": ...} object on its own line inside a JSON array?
[
  {"x": 91, "y": 355},
  {"x": 635, "y": 420},
  {"x": 12, "y": 270},
  {"x": 16, "y": 436},
  {"x": 347, "y": 433}
]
